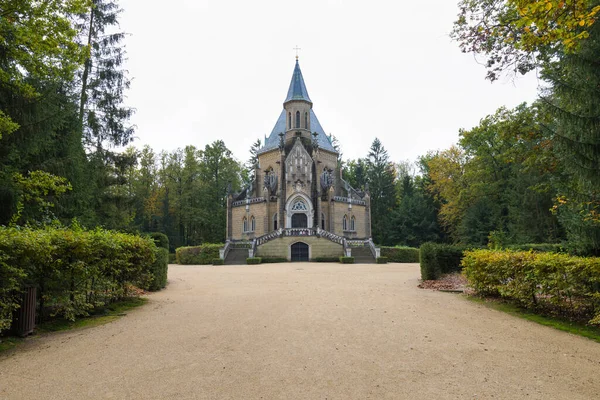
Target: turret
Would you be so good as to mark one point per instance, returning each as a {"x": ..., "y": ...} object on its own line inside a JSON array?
[{"x": 297, "y": 106}]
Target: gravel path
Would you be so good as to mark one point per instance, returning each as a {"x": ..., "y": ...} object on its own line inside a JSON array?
[{"x": 305, "y": 331}]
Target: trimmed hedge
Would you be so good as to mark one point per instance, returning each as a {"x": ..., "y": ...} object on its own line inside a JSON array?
[
  {"x": 273, "y": 260},
  {"x": 549, "y": 282},
  {"x": 400, "y": 254},
  {"x": 159, "y": 269},
  {"x": 218, "y": 261},
  {"x": 10, "y": 283},
  {"x": 438, "y": 259},
  {"x": 74, "y": 270},
  {"x": 198, "y": 255},
  {"x": 253, "y": 260},
  {"x": 160, "y": 239},
  {"x": 326, "y": 259},
  {"x": 172, "y": 258},
  {"x": 347, "y": 260},
  {"x": 382, "y": 260},
  {"x": 539, "y": 247}
]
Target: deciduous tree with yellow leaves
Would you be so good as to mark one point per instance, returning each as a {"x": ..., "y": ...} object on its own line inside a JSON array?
[{"x": 518, "y": 35}]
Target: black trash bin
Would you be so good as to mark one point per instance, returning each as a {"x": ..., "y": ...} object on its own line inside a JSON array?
[{"x": 24, "y": 318}]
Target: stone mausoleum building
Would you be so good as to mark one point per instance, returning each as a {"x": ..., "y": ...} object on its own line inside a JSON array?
[{"x": 298, "y": 206}]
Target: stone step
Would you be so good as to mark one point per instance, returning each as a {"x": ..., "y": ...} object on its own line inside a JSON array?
[
  {"x": 362, "y": 255},
  {"x": 236, "y": 257}
]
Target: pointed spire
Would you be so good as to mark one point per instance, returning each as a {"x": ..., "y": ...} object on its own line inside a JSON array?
[{"x": 297, "y": 90}]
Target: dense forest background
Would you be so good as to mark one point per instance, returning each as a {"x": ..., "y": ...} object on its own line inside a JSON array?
[{"x": 524, "y": 175}]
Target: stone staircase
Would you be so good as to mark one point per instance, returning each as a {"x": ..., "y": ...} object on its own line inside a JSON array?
[
  {"x": 363, "y": 255},
  {"x": 236, "y": 256}
]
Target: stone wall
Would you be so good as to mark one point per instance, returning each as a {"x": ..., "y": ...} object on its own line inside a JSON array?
[
  {"x": 318, "y": 247},
  {"x": 360, "y": 214},
  {"x": 259, "y": 212}
]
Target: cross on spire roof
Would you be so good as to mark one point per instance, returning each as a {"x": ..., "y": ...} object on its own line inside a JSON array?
[{"x": 297, "y": 49}]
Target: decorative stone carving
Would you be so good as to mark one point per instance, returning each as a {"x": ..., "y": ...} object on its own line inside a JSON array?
[
  {"x": 270, "y": 182},
  {"x": 298, "y": 186},
  {"x": 327, "y": 179},
  {"x": 299, "y": 205},
  {"x": 299, "y": 166}
]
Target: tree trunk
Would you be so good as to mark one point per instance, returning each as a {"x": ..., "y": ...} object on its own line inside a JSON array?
[{"x": 86, "y": 70}]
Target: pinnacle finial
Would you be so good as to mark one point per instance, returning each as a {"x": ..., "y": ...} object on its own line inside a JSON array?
[{"x": 297, "y": 49}]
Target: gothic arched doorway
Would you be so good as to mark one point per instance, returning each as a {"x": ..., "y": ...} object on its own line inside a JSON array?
[
  {"x": 299, "y": 252},
  {"x": 299, "y": 212},
  {"x": 299, "y": 221}
]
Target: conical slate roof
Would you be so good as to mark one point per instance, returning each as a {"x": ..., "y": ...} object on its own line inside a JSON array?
[
  {"x": 272, "y": 142},
  {"x": 297, "y": 90}
]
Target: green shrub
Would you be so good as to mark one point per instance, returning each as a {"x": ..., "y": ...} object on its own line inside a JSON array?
[
  {"x": 160, "y": 239},
  {"x": 561, "y": 283},
  {"x": 273, "y": 260},
  {"x": 159, "y": 269},
  {"x": 198, "y": 255},
  {"x": 382, "y": 260},
  {"x": 539, "y": 247},
  {"x": 74, "y": 270},
  {"x": 218, "y": 261},
  {"x": 172, "y": 258},
  {"x": 400, "y": 254},
  {"x": 347, "y": 260},
  {"x": 437, "y": 259},
  {"x": 10, "y": 285},
  {"x": 253, "y": 260},
  {"x": 326, "y": 259}
]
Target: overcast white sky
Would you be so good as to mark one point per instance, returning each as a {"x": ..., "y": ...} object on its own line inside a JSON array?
[{"x": 208, "y": 70}]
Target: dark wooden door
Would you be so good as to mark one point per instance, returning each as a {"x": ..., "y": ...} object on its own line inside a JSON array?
[
  {"x": 300, "y": 252},
  {"x": 299, "y": 221}
]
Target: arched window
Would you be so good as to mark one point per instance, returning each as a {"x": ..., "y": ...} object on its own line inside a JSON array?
[
  {"x": 252, "y": 224},
  {"x": 275, "y": 222},
  {"x": 244, "y": 225},
  {"x": 352, "y": 223},
  {"x": 297, "y": 119},
  {"x": 322, "y": 221},
  {"x": 345, "y": 223},
  {"x": 289, "y": 120},
  {"x": 306, "y": 120}
]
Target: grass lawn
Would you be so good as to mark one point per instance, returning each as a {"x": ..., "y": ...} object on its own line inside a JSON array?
[
  {"x": 108, "y": 314},
  {"x": 587, "y": 331}
]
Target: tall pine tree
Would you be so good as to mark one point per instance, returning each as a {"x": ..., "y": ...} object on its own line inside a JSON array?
[{"x": 381, "y": 179}]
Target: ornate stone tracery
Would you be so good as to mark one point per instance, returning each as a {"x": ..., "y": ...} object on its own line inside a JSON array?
[
  {"x": 270, "y": 181},
  {"x": 327, "y": 179},
  {"x": 299, "y": 205}
]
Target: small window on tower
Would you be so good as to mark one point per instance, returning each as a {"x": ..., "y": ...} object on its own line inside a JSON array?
[
  {"x": 352, "y": 223},
  {"x": 345, "y": 223},
  {"x": 306, "y": 121},
  {"x": 289, "y": 120},
  {"x": 244, "y": 225},
  {"x": 297, "y": 119},
  {"x": 252, "y": 224}
]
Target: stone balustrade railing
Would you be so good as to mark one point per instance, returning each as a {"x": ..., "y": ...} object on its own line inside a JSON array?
[
  {"x": 357, "y": 243},
  {"x": 330, "y": 236},
  {"x": 349, "y": 200},
  {"x": 376, "y": 251},
  {"x": 225, "y": 250},
  {"x": 252, "y": 200},
  {"x": 269, "y": 236},
  {"x": 298, "y": 232}
]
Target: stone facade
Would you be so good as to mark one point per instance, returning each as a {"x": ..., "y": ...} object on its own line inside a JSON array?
[
  {"x": 318, "y": 247},
  {"x": 298, "y": 186}
]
